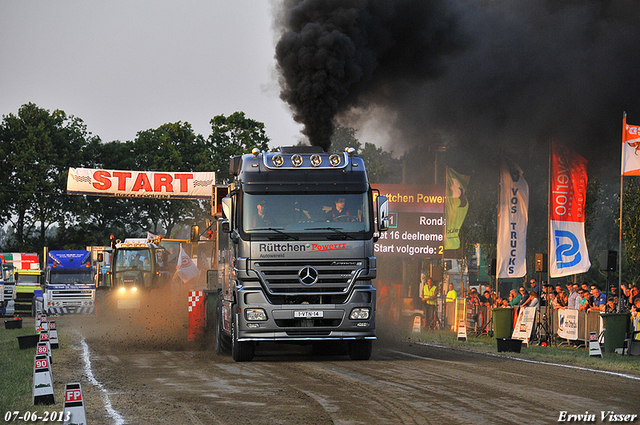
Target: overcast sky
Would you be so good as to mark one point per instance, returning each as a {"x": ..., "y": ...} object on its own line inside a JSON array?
[{"x": 126, "y": 66}]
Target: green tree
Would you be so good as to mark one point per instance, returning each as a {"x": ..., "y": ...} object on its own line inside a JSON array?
[
  {"x": 39, "y": 147},
  {"x": 382, "y": 167},
  {"x": 170, "y": 147},
  {"x": 235, "y": 135}
]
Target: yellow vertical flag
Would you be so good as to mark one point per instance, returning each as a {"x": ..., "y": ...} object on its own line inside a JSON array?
[{"x": 456, "y": 206}]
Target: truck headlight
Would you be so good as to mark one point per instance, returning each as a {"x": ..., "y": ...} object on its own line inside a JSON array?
[
  {"x": 361, "y": 313},
  {"x": 255, "y": 314}
]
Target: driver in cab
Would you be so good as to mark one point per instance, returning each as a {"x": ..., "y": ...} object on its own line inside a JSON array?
[
  {"x": 339, "y": 212},
  {"x": 262, "y": 218}
]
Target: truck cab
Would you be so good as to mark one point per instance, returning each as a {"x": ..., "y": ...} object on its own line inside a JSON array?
[
  {"x": 70, "y": 282},
  {"x": 296, "y": 252},
  {"x": 137, "y": 267},
  {"x": 28, "y": 285}
]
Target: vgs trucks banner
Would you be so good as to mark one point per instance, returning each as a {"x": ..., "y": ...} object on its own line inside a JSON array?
[
  {"x": 568, "y": 253},
  {"x": 140, "y": 184},
  {"x": 512, "y": 222},
  {"x": 416, "y": 214}
]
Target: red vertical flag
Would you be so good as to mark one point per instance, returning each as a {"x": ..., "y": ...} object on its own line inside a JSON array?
[
  {"x": 630, "y": 149},
  {"x": 568, "y": 252}
]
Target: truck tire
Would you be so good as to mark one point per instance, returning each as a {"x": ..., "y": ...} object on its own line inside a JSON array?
[
  {"x": 223, "y": 343},
  {"x": 240, "y": 351},
  {"x": 360, "y": 349}
]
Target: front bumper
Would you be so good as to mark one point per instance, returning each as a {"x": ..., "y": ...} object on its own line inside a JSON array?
[{"x": 325, "y": 322}]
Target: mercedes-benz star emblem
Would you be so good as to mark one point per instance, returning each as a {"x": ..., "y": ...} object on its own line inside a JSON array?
[{"x": 308, "y": 275}]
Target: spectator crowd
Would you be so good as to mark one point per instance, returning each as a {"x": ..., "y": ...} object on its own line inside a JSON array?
[{"x": 570, "y": 295}]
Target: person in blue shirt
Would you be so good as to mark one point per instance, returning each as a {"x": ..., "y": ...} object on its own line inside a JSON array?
[{"x": 599, "y": 300}]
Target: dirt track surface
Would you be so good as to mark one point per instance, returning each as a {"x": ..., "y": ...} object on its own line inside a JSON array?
[{"x": 165, "y": 381}]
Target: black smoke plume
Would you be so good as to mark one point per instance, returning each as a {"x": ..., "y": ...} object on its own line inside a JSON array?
[
  {"x": 509, "y": 74},
  {"x": 335, "y": 51}
]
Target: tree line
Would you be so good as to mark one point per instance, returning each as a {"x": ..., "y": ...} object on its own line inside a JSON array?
[{"x": 37, "y": 147}]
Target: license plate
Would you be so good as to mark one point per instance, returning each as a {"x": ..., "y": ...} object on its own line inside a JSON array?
[
  {"x": 128, "y": 304},
  {"x": 307, "y": 314}
]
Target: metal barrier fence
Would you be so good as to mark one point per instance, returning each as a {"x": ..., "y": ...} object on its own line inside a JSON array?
[{"x": 479, "y": 317}]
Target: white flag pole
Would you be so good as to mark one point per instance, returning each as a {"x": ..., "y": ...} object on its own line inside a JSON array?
[{"x": 620, "y": 293}]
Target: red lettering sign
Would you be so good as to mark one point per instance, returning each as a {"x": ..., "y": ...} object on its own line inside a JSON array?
[
  {"x": 102, "y": 177},
  {"x": 161, "y": 180},
  {"x": 72, "y": 395}
]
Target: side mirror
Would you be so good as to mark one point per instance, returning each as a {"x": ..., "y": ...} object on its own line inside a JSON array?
[
  {"x": 195, "y": 233},
  {"x": 100, "y": 257},
  {"x": 227, "y": 205},
  {"x": 383, "y": 213},
  {"x": 225, "y": 226}
]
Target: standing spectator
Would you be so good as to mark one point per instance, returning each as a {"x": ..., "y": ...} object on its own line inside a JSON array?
[
  {"x": 612, "y": 304},
  {"x": 452, "y": 295},
  {"x": 485, "y": 299},
  {"x": 635, "y": 316},
  {"x": 599, "y": 300},
  {"x": 584, "y": 286},
  {"x": 429, "y": 298},
  {"x": 535, "y": 287},
  {"x": 585, "y": 304},
  {"x": 514, "y": 298},
  {"x": 473, "y": 304},
  {"x": 633, "y": 295},
  {"x": 532, "y": 300},
  {"x": 524, "y": 296},
  {"x": 574, "y": 297},
  {"x": 625, "y": 293},
  {"x": 562, "y": 300}
]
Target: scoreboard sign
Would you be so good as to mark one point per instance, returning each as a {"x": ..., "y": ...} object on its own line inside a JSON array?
[{"x": 416, "y": 227}]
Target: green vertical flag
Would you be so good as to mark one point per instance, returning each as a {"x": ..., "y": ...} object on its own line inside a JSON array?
[{"x": 456, "y": 206}]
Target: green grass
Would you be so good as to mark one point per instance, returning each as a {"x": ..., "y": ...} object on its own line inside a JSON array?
[
  {"x": 16, "y": 373},
  {"x": 553, "y": 354}
]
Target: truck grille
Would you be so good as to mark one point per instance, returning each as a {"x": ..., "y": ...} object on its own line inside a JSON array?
[
  {"x": 72, "y": 295},
  {"x": 334, "y": 278}
]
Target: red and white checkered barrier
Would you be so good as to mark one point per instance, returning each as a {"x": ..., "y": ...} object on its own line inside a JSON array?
[{"x": 197, "y": 310}]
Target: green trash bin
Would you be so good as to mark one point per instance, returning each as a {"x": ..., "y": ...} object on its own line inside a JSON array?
[
  {"x": 615, "y": 330},
  {"x": 502, "y": 321}
]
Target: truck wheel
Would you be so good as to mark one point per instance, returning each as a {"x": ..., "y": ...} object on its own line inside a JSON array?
[
  {"x": 240, "y": 351},
  {"x": 360, "y": 349},
  {"x": 222, "y": 341}
]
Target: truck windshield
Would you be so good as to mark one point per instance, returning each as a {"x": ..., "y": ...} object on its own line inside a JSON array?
[
  {"x": 27, "y": 278},
  {"x": 306, "y": 213},
  {"x": 59, "y": 277},
  {"x": 133, "y": 259}
]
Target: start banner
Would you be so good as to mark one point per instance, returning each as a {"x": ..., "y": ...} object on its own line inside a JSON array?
[{"x": 140, "y": 184}]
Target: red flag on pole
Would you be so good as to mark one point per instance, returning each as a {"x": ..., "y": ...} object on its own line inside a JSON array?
[
  {"x": 568, "y": 252},
  {"x": 630, "y": 149}
]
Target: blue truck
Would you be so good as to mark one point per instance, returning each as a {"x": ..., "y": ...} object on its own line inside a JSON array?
[{"x": 70, "y": 282}]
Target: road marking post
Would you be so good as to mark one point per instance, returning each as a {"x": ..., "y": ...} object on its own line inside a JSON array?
[
  {"x": 594, "y": 345},
  {"x": 462, "y": 331},
  {"x": 74, "y": 410},
  {"x": 42, "y": 381},
  {"x": 417, "y": 324},
  {"x": 42, "y": 323},
  {"x": 53, "y": 335},
  {"x": 44, "y": 348}
]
